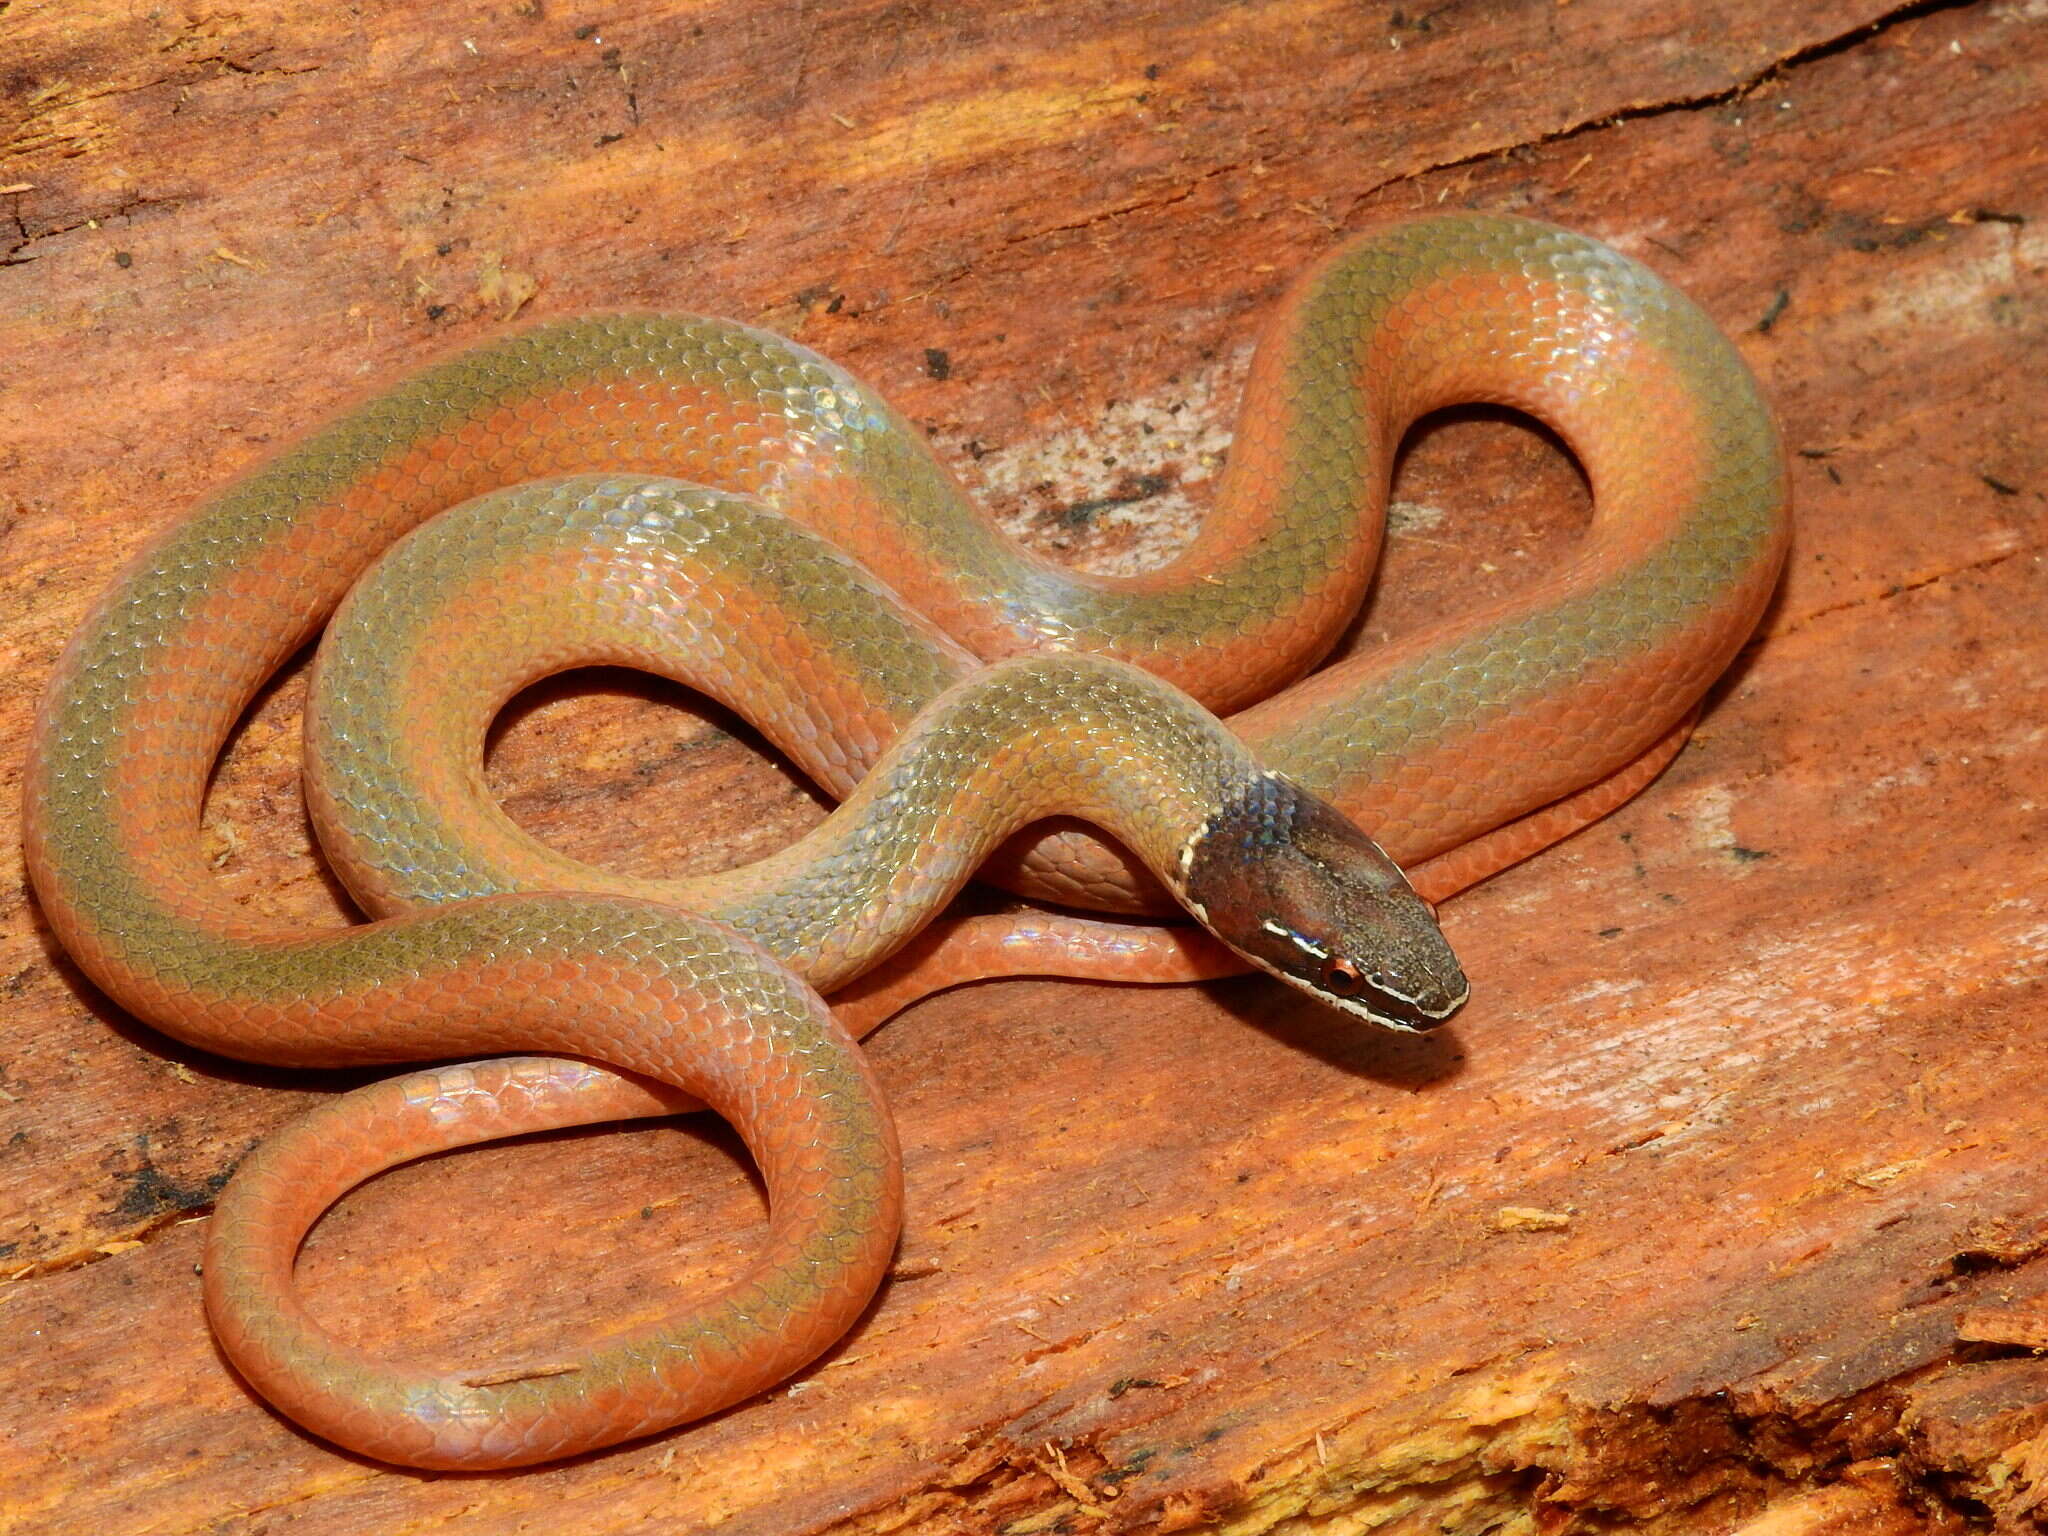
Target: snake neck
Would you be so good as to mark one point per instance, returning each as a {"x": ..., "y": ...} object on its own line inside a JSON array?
[{"x": 1012, "y": 744}]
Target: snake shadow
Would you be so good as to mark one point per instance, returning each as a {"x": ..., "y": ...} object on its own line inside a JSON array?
[{"x": 1391, "y": 1058}]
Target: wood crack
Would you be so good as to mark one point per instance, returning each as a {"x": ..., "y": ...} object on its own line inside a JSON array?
[
  {"x": 1902, "y": 588},
  {"x": 1777, "y": 69}
]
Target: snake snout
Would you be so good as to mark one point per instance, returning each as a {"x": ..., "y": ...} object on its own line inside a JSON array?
[
  {"x": 1287, "y": 881},
  {"x": 1417, "y": 991}
]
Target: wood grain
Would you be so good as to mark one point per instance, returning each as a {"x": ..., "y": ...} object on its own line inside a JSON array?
[{"x": 1761, "y": 1051}]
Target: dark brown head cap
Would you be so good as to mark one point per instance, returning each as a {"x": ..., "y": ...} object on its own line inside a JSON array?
[{"x": 1286, "y": 880}]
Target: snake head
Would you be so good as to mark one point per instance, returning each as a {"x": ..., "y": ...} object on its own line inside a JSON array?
[{"x": 1286, "y": 880}]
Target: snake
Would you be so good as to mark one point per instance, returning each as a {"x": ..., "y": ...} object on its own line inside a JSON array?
[{"x": 701, "y": 498}]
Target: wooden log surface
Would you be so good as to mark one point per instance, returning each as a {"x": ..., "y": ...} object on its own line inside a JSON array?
[{"x": 1762, "y": 1053}]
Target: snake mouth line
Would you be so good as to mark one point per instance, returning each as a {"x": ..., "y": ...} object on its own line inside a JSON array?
[
  {"x": 1391, "y": 1011},
  {"x": 1385, "y": 1010}
]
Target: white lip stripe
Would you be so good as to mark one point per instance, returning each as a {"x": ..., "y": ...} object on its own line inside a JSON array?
[
  {"x": 1306, "y": 946},
  {"x": 1435, "y": 1013},
  {"x": 1348, "y": 1005}
]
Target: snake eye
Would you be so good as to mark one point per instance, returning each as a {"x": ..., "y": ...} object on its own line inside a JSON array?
[{"x": 1341, "y": 978}]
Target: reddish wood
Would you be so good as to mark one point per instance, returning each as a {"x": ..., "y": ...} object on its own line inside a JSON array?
[{"x": 1175, "y": 1259}]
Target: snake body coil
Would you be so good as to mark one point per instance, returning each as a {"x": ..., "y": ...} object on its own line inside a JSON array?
[{"x": 1460, "y": 748}]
